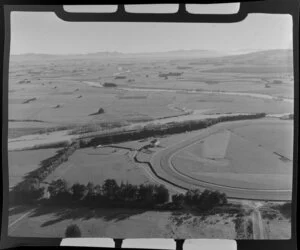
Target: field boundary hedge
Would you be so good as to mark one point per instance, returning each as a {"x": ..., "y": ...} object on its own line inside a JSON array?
[
  {"x": 35, "y": 177},
  {"x": 161, "y": 130}
]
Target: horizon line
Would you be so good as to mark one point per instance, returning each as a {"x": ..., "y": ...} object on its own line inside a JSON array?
[{"x": 154, "y": 52}]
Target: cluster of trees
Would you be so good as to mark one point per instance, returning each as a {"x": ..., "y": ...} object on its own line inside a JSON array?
[
  {"x": 285, "y": 209},
  {"x": 99, "y": 112},
  {"x": 109, "y": 194},
  {"x": 24, "y": 81},
  {"x": 170, "y": 74},
  {"x": 109, "y": 85},
  {"x": 29, "y": 100},
  {"x": 204, "y": 201},
  {"x": 73, "y": 231},
  {"x": 277, "y": 82},
  {"x": 120, "y": 77}
]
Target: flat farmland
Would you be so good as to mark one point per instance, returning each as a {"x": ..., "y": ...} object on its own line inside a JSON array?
[
  {"x": 69, "y": 103},
  {"x": 276, "y": 138},
  {"x": 222, "y": 103},
  {"x": 97, "y": 165},
  {"x": 23, "y": 162},
  {"x": 52, "y": 92}
]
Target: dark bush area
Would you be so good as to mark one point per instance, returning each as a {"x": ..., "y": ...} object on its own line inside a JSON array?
[
  {"x": 277, "y": 82},
  {"x": 178, "y": 200},
  {"x": 73, "y": 231},
  {"x": 249, "y": 229},
  {"x": 205, "y": 200},
  {"x": 29, "y": 100},
  {"x": 240, "y": 227},
  {"x": 285, "y": 209},
  {"x": 99, "y": 112},
  {"x": 170, "y": 74},
  {"x": 228, "y": 209},
  {"x": 109, "y": 85},
  {"x": 269, "y": 214},
  {"x": 120, "y": 77},
  {"x": 27, "y": 192}
]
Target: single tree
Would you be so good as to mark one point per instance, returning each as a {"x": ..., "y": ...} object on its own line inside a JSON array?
[
  {"x": 78, "y": 191},
  {"x": 161, "y": 194},
  {"x": 178, "y": 200},
  {"x": 73, "y": 231},
  {"x": 110, "y": 189}
]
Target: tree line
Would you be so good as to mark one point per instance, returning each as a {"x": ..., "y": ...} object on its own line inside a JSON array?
[
  {"x": 166, "y": 129},
  {"x": 111, "y": 194}
]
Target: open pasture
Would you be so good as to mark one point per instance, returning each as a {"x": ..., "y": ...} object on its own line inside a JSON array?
[
  {"x": 277, "y": 138},
  {"x": 241, "y": 160},
  {"x": 69, "y": 103},
  {"x": 23, "y": 162},
  {"x": 98, "y": 164},
  {"x": 221, "y": 103}
]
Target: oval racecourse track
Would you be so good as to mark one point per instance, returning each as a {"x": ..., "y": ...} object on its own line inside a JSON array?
[{"x": 261, "y": 185}]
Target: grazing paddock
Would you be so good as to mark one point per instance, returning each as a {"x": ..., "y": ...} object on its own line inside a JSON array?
[
  {"x": 241, "y": 161},
  {"x": 23, "y": 162},
  {"x": 98, "y": 164},
  {"x": 275, "y": 138}
]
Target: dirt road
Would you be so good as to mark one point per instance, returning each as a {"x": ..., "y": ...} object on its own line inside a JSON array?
[{"x": 258, "y": 228}]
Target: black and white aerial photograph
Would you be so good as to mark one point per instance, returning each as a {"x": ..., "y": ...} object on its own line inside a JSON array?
[{"x": 150, "y": 130}]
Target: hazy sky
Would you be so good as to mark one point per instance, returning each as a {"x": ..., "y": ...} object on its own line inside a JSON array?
[{"x": 44, "y": 32}]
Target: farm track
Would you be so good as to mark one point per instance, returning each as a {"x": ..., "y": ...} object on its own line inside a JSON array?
[
  {"x": 258, "y": 228},
  {"x": 19, "y": 219}
]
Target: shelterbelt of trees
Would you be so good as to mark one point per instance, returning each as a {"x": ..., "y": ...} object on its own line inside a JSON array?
[
  {"x": 161, "y": 130},
  {"x": 110, "y": 194}
]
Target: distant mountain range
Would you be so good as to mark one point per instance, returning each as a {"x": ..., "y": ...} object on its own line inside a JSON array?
[
  {"x": 194, "y": 53},
  {"x": 267, "y": 57},
  {"x": 259, "y": 57}
]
